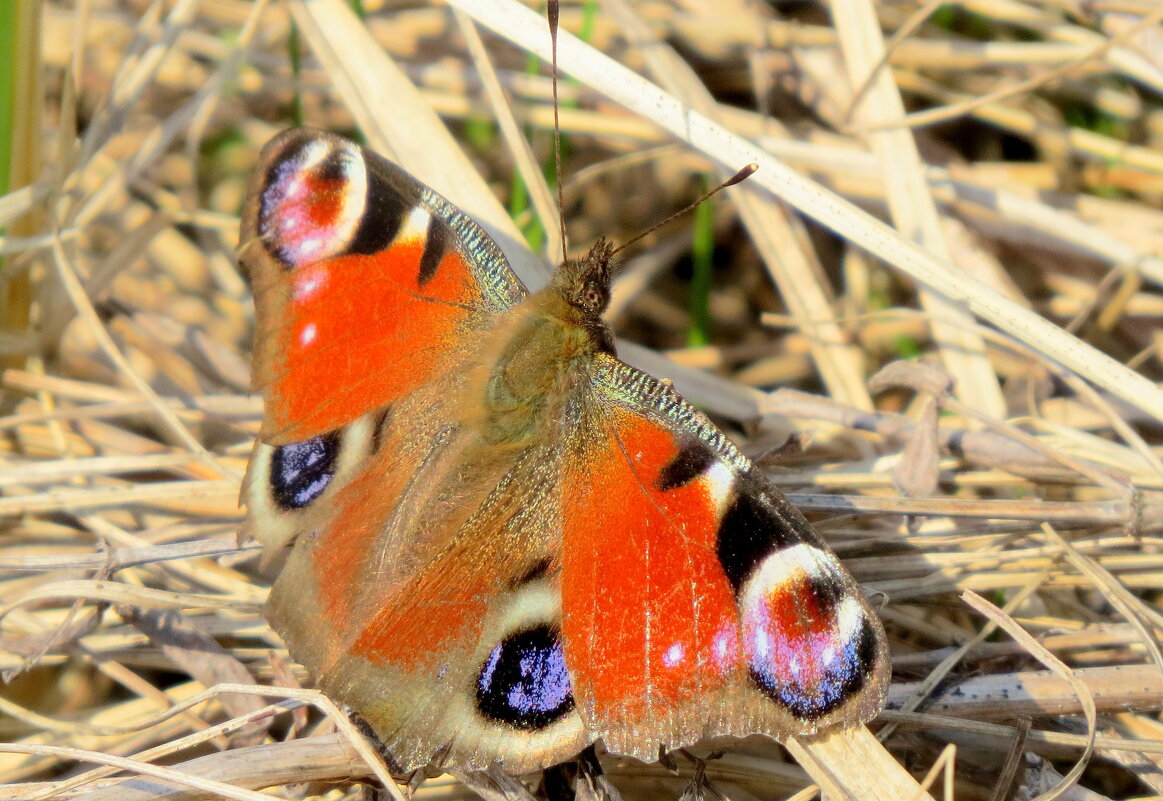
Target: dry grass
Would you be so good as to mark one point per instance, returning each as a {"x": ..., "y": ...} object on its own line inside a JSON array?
[{"x": 1013, "y": 239}]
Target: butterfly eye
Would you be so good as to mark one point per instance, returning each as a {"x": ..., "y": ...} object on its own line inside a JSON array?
[
  {"x": 595, "y": 297},
  {"x": 524, "y": 682}
]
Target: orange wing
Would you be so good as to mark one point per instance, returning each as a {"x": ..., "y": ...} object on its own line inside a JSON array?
[
  {"x": 695, "y": 600},
  {"x": 364, "y": 281}
]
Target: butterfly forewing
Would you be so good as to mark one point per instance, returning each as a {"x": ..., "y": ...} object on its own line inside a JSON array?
[
  {"x": 365, "y": 281},
  {"x": 367, "y": 286},
  {"x": 696, "y": 600}
]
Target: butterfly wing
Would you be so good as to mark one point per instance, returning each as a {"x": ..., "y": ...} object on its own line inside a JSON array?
[
  {"x": 428, "y": 599},
  {"x": 696, "y": 601},
  {"x": 633, "y": 578},
  {"x": 365, "y": 281},
  {"x": 367, "y": 286}
]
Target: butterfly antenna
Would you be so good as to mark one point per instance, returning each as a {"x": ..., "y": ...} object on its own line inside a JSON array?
[
  {"x": 738, "y": 177},
  {"x": 553, "y": 12}
]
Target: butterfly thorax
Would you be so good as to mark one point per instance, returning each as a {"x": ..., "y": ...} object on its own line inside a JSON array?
[{"x": 544, "y": 349}]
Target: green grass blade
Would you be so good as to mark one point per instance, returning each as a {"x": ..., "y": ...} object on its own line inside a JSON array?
[{"x": 702, "y": 249}]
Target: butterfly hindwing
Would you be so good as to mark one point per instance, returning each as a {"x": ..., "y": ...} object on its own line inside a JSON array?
[
  {"x": 430, "y": 603},
  {"x": 364, "y": 281},
  {"x": 695, "y": 599}
]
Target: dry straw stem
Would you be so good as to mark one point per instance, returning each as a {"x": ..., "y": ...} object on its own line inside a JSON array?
[
  {"x": 121, "y": 441},
  {"x": 1083, "y": 692},
  {"x": 523, "y": 27},
  {"x": 912, "y": 207},
  {"x": 543, "y": 200},
  {"x": 344, "y": 754},
  {"x": 775, "y": 233}
]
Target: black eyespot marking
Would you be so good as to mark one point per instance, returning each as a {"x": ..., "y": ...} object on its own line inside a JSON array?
[
  {"x": 524, "y": 682},
  {"x": 867, "y": 652},
  {"x": 383, "y": 215},
  {"x": 333, "y": 168},
  {"x": 436, "y": 243},
  {"x": 302, "y": 470},
  {"x": 692, "y": 460},
  {"x": 535, "y": 571},
  {"x": 379, "y": 426},
  {"x": 756, "y": 523},
  {"x": 827, "y": 593}
]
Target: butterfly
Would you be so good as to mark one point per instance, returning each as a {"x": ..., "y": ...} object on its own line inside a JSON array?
[{"x": 502, "y": 543}]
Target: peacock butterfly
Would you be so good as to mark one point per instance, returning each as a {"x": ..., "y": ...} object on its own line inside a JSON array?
[{"x": 502, "y": 543}]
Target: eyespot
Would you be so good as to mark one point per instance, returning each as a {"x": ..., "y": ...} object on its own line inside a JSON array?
[
  {"x": 313, "y": 201},
  {"x": 301, "y": 471},
  {"x": 524, "y": 682},
  {"x": 807, "y": 640}
]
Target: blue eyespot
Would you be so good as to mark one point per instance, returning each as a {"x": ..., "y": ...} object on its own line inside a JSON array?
[
  {"x": 302, "y": 470},
  {"x": 524, "y": 682}
]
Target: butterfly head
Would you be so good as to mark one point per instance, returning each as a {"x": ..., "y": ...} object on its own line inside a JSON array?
[{"x": 585, "y": 283}]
